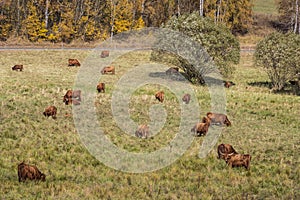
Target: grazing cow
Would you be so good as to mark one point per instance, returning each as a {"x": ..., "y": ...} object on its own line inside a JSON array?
[
  {"x": 101, "y": 87},
  {"x": 218, "y": 119},
  {"x": 72, "y": 95},
  {"x": 30, "y": 172},
  {"x": 104, "y": 54},
  {"x": 201, "y": 128},
  {"x": 238, "y": 160},
  {"x": 160, "y": 96},
  {"x": 186, "y": 98},
  {"x": 17, "y": 67},
  {"x": 142, "y": 131},
  {"x": 74, "y": 62},
  {"x": 108, "y": 69},
  {"x": 225, "y": 149},
  {"x": 228, "y": 84},
  {"x": 50, "y": 111},
  {"x": 172, "y": 70}
]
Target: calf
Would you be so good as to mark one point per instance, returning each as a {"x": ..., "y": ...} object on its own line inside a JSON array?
[
  {"x": 104, "y": 54},
  {"x": 72, "y": 95},
  {"x": 73, "y": 62},
  {"x": 172, "y": 70},
  {"x": 50, "y": 111},
  {"x": 201, "y": 128},
  {"x": 142, "y": 131},
  {"x": 17, "y": 67},
  {"x": 228, "y": 84},
  {"x": 224, "y": 150},
  {"x": 30, "y": 172},
  {"x": 186, "y": 98},
  {"x": 238, "y": 160},
  {"x": 218, "y": 119},
  {"x": 160, "y": 96},
  {"x": 101, "y": 87},
  {"x": 108, "y": 69}
]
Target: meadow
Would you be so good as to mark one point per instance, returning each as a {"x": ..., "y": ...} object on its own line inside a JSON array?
[{"x": 264, "y": 124}]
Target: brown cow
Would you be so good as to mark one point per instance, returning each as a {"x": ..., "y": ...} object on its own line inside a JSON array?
[
  {"x": 104, "y": 54},
  {"x": 186, "y": 98},
  {"x": 72, "y": 95},
  {"x": 172, "y": 70},
  {"x": 74, "y": 62},
  {"x": 101, "y": 87},
  {"x": 238, "y": 160},
  {"x": 228, "y": 84},
  {"x": 108, "y": 69},
  {"x": 142, "y": 131},
  {"x": 225, "y": 149},
  {"x": 30, "y": 172},
  {"x": 160, "y": 96},
  {"x": 17, "y": 67},
  {"x": 201, "y": 128},
  {"x": 50, "y": 111},
  {"x": 218, "y": 119}
]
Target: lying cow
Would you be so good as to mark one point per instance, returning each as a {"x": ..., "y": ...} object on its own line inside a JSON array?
[
  {"x": 108, "y": 69},
  {"x": 218, "y": 119},
  {"x": 201, "y": 128},
  {"x": 70, "y": 96},
  {"x": 30, "y": 172},
  {"x": 228, "y": 84},
  {"x": 104, "y": 54},
  {"x": 224, "y": 150},
  {"x": 50, "y": 111},
  {"x": 160, "y": 96},
  {"x": 172, "y": 70},
  {"x": 101, "y": 87},
  {"x": 238, "y": 160},
  {"x": 74, "y": 62},
  {"x": 17, "y": 67},
  {"x": 186, "y": 98},
  {"x": 142, "y": 131}
]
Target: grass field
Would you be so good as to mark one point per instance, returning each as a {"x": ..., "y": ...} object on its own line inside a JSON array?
[
  {"x": 265, "y": 7},
  {"x": 264, "y": 124}
]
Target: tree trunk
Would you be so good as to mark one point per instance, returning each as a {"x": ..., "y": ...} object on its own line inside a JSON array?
[
  {"x": 46, "y": 14},
  {"x": 296, "y": 16},
  {"x": 201, "y": 7}
]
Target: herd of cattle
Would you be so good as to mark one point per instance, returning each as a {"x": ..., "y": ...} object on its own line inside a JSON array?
[{"x": 225, "y": 151}]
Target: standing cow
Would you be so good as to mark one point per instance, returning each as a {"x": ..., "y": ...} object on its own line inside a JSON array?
[
  {"x": 30, "y": 172},
  {"x": 74, "y": 62},
  {"x": 17, "y": 67},
  {"x": 72, "y": 97},
  {"x": 186, "y": 98},
  {"x": 218, "y": 119},
  {"x": 238, "y": 160},
  {"x": 50, "y": 111},
  {"x": 104, "y": 54},
  {"x": 101, "y": 87},
  {"x": 142, "y": 131},
  {"x": 224, "y": 150},
  {"x": 108, "y": 69},
  {"x": 160, "y": 96},
  {"x": 201, "y": 128}
]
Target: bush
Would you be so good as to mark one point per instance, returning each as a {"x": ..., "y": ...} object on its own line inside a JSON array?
[{"x": 279, "y": 55}]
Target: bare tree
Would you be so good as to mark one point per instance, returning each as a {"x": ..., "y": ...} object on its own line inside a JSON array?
[{"x": 201, "y": 2}]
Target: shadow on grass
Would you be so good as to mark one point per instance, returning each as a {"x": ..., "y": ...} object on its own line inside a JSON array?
[{"x": 288, "y": 89}]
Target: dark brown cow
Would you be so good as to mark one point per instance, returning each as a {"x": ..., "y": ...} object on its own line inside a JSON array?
[
  {"x": 108, "y": 69},
  {"x": 50, "y": 111},
  {"x": 30, "y": 172},
  {"x": 218, "y": 119},
  {"x": 17, "y": 67},
  {"x": 238, "y": 160},
  {"x": 201, "y": 128},
  {"x": 186, "y": 98},
  {"x": 142, "y": 131},
  {"x": 104, "y": 54},
  {"x": 72, "y": 95},
  {"x": 101, "y": 87},
  {"x": 172, "y": 70},
  {"x": 224, "y": 150},
  {"x": 74, "y": 62},
  {"x": 160, "y": 96},
  {"x": 228, "y": 84}
]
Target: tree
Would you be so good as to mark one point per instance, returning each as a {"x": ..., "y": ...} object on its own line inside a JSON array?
[
  {"x": 289, "y": 19},
  {"x": 279, "y": 55}
]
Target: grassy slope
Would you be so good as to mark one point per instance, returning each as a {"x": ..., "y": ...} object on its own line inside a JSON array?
[
  {"x": 265, "y": 125},
  {"x": 265, "y": 7}
]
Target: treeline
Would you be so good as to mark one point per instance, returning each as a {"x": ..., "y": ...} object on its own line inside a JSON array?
[{"x": 88, "y": 20}]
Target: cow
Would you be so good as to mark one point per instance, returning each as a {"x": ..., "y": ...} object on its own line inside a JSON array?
[
  {"x": 104, "y": 54},
  {"x": 228, "y": 84},
  {"x": 108, "y": 69},
  {"x": 72, "y": 95},
  {"x": 238, "y": 160},
  {"x": 186, "y": 98},
  {"x": 160, "y": 96},
  {"x": 172, "y": 70},
  {"x": 73, "y": 62},
  {"x": 17, "y": 67},
  {"x": 101, "y": 87},
  {"x": 218, "y": 119},
  {"x": 201, "y": 128},
  {"x": 50, "y": 111},
  {"x": 30, "y": 172},
  {"x": 225, "y": 149},
  {"x": 142, "y": 131}
]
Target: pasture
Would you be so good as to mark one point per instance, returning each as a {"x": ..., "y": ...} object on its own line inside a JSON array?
[{"x": 264, "y": 124}]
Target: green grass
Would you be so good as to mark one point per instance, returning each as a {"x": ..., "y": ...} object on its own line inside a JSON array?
[
  {"x": 264, "y": 124},
  {"x": 265, "y": 7}
]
